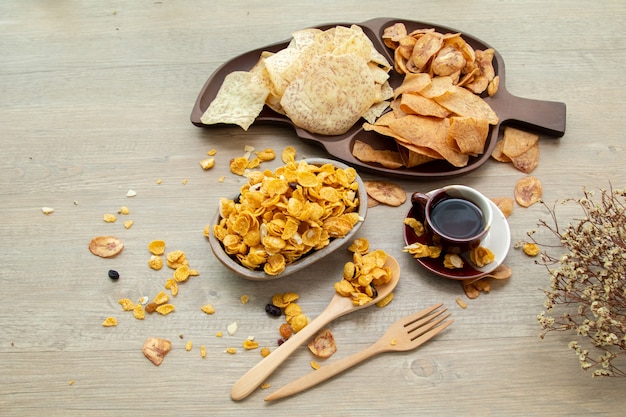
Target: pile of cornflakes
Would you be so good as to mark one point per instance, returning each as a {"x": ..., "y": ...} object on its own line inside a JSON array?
[
  {"x": 281, "y": 216},
  {"x": 363, "y": 274}
]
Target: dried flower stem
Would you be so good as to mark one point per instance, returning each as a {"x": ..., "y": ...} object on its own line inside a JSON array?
[{"x": 587, "y": 293}]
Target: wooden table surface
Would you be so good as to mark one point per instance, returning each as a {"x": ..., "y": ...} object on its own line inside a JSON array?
[{"x": 95, "y": 99}]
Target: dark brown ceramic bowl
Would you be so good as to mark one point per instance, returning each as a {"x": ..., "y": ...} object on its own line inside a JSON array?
[
  {"x": 544, "y": 117},
  {"x": 305, "y": 261}
]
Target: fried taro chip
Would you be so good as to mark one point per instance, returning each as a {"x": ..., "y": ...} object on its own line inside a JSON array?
[
  {"x": 469, "y": 134},
  {"x": 465, "y": 103},
  {"x": 516, "y": 142}
]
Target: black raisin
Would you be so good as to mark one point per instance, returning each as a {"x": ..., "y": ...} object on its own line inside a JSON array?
[
  {"x": 273, "y": 310},
  {"x": 280, "y": 341},
  {"x": 113, "y": 274}
]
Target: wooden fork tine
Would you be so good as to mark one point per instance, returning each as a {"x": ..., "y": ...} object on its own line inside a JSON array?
[
  {"x": 416, "y": 316},
  {"x": 417, "y": 323},
  {"x": 426, "y": 326},
  {"x": 431, "y": 333}
]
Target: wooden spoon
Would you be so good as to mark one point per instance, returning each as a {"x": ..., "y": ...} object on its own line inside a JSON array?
[{"x": 337, "y": 307}]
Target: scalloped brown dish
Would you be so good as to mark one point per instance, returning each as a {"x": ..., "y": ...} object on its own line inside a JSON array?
[{"x": 544, "y": 117}]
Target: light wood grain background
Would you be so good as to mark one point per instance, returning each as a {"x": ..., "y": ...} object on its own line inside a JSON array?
[{"x": 95, "y": 100}]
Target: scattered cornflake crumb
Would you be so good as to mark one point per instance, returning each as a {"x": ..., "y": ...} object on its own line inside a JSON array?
[
  {"x": 131, "y": 193},
  {"x": 109, "y": 218},
  {"x": 265, "y": 385},
  {"x": 75, "y": 202},
  {"x": 184, "y": 181},
  {"x": 71, "y": 382},
  {"x": 138, "y": 312},
  {"x": 219, "y": 334},
  {"x": 393, "y": 342},
  {"x": 202, "y": 351},
  {"x": 188, "y": 345},
  {"x": 159, "y": 181},
  {"x": 315, "y": 365},
  {"x": 461, "y": 303},
  {"x": 207, "y": 163},
  {"x": 382, "y": 303},
  {"x": 129, "y": 223},
  {"x": 231, "y": 350},
  {"x": 212, "y": 152},
  {"x": 250, "y": 344},
  {"x": 531, "y": 249},
  {"x": 109, "y": 322},
  {"x": 123, "y": 210},
  {"x": 47, "y": 210},
  {"x": 244, "y": 299},
  {"x": 265, "y": 351},
  {"x": 208, "y": 309},
  {"x": 222, "y": 178},
  {"x": 143, "y": 300}
]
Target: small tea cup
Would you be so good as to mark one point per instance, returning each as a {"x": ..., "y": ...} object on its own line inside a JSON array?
[{"x": 457, "y": 217}]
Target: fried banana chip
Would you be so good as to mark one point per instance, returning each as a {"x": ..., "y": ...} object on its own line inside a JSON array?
[{"x": 385, "y": 192}]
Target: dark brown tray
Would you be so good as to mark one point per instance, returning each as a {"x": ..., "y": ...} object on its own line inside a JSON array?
[{"x": 544, "y": 117}]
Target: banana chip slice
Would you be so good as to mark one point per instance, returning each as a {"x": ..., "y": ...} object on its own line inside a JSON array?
[
  {"x": 385, "y": 192},
  {"x": 528, "y": 191},
  {"x": 106, "y": 246},
  {"x": 323, "y": 344}
]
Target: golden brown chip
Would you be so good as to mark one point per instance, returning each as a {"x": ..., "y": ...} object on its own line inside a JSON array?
[
  {"x": 366, "y": 153},
  {"x": 497, "y": 153},
  {"x": 417, "y": 104},
  {"x": 323, "y": 344},
  {"x": 527, "y": 161},
  {"x": 470, "y": 289},
  {"x": 469, "y": 134},
  {"x": 106, "y": 246},
  {"x": 516, "y": 142},
  {"x": 465, "y": 103},
  {"x": 155, "y": 349},
  {"x": 385, "y": 192},
  {"x": 528, "y": 191},
  {"x": 501, "y": 272},
  {"x": 505, "y": 204}
]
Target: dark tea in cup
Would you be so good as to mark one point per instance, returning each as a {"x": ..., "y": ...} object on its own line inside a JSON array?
[{"x": 456, "y": 216}]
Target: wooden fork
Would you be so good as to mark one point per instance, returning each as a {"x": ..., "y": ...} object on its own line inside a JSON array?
[{"x": 406, "y": 334}]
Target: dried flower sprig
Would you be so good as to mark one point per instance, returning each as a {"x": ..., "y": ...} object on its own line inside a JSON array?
[{"x": 587, "y": 293}]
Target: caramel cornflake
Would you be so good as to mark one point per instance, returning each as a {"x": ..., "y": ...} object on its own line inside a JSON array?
[
  {"x": 208, "y": 309},
  {"x": 202, "y": 351},
  {"x": 138, "y": 312},
  {"x": 123, "y": 210},
  {"x": 416, "y": 225},
  {"x": 181, "y": 274},
  {"x": 288, "y": 154},
  {"x": 207, "y": 163},
  {"x": 420, "y": 250},
  {"x": 176, "y": 259},
  {"x": 481, "y": 256},
  {"x": 267, "y": 154},
  {"x": 126, "y": 304},
  {"x": 157, "y": 247},
  {"x": 315, "y": 365},
  {"x": 244, "y": 299},
  {"x": 452, "y": 261},
  {"x": 211, "y": 152},
  {"x": 109, "y": 218},
  {"x": 238, "y": 165},
  {"x": 360, "y": 245},
  {"x": 128, "y": 224},
  {"x": 155, "y": 262},
  {"x": 249, "y": 344},
  {"x": 165, "y": 309},
  {"x": 109, "y": 322},
  {"x": 531, "y": 249},
  {"x": 161, "y": 298},
  {"x": 188, "y": 345},
  {"x": 172, "y": 285}
]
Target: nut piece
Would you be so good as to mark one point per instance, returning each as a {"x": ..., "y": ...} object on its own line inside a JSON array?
[
  {"x": 106, "y": 246},
  {"x": 385, "y": 192},
  {"x": 155, "y": 349}
]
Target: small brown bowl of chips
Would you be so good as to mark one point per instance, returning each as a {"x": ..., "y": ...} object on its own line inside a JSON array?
[{"x": 283, "y": 221}]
